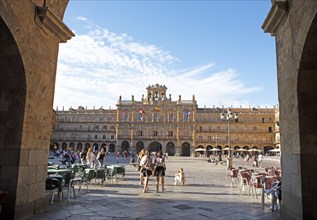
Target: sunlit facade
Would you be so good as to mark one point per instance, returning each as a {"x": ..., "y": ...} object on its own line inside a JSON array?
[{"x": 156, "y": 122}]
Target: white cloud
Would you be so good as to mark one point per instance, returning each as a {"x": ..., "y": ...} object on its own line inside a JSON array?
[{"x": 95, "y": 68}]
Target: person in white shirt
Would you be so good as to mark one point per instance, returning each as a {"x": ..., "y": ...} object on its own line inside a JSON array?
[{"x": 146, "y": 169}]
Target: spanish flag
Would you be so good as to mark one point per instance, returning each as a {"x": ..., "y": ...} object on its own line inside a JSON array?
[{"x": 157, "y": 109}]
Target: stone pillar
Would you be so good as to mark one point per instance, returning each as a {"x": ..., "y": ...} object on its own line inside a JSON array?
[
  {"x": 293, "y": 23},
  {"x": 28, "y": 59}
]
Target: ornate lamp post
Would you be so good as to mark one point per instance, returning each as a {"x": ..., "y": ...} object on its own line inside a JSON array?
[{"x": 229, "y": 116}]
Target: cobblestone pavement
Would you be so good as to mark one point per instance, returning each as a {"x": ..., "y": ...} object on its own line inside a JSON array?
[{"x": 206, "y": 194}]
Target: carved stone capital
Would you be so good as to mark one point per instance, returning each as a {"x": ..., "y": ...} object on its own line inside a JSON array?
[
  {"x": 277, "y": 15},
  {"x": 53, "y": 23}
]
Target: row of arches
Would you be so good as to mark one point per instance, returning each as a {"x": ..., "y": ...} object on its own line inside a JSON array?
[
  {"x": 154, "y": 146},
  {"x": 265, "y": 149}
]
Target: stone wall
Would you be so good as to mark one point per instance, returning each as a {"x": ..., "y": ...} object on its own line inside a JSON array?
[
  {"x": 28, "y": 59},
  {"x": 293, "y": 23}
]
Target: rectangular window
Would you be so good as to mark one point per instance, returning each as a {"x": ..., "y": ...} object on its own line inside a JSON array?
[
  {"x": 139, "y": 116},
  {"x": 218, "y": 128},
  {"x": 156, "y": 117},
  {"x": 96, "y": 136},
  {"x": 104, "y": 137},
  {"x": 270, "y": 129},
  {"x": 209, "y": 119},
  {"x": 139, "y": 133},
  {"x": 200, "y": 128},
  {"x": 200, "y": 138},
  {"x": 170, "y": 117},
  {"x": 112, "y": 137},
  {"x": 209, "y": 138},
  {"x": 170, "y": 133},
  {"x": 254, "y": 128},
  {"x": 125, "y": 116},
  {"x": 155, "y": 133}
]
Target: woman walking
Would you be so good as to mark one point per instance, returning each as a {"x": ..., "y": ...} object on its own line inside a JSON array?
[
  {"x": 141, "y": 154},
  {"x": 100, "y": 156},
  {"x": 146, "y": 169},
  {"x": 159, "y": 170},
  {"x": 90, "y": 157}
]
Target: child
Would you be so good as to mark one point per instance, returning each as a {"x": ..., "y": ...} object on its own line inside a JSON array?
[{"x": 179, "y": 177}]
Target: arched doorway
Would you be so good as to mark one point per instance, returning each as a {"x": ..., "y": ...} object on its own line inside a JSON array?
[
  {"x": 25, "y": 55},
  {"x": 139, "y": 146},
  {"x": 64, "y": 146},
  {"x": 87, "y": 146},
  {"x": 79, "y": 147},
  {"x": 170, "y": 148},
  {"x": 208, "y": 150},
  {"x": 185, "y": 149},
  {"x": 155, "y": 147},
  {"x": 71, "y": 146},
  {"x": 104, "y": 146},
  {"x": 266, "y": 149},
  {"x": 112, "y": 148},
  {"x": 95, "y": 147},
  {"x": 125, "y": 146}
]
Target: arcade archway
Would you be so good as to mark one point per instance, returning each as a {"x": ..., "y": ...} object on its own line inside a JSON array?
[
  {"x": 170, "y": 148},
  {"x": 185, "y": 149},
  {"x": 155, "y": 147}
]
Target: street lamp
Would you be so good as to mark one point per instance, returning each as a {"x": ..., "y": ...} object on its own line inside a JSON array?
[{"x": 229, "y": 116}]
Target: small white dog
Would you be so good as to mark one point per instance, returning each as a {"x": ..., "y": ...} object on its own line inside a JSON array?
[{"x": 179, "y": 177}]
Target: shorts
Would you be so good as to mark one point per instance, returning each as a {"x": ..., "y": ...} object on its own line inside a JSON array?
[{"x": 159, "y": 171}]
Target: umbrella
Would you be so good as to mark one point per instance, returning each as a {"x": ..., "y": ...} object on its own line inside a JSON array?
[
  {"x": 227, "y": 148},
  {"x": 254, "y": 150},
  {"x": 241, "y": 150},
  {"x": 200, "y": 149},
  {"x": 214, "y": 149},
  {"x": 275, "y": 150}
]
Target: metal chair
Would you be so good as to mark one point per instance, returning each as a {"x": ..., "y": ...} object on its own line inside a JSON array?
[
  {"x": 53, "y": 185},
  {"x": 3, "y": 195}
]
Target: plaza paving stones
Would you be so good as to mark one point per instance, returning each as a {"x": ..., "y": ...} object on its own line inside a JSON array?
[{"x": 206, "y": 194}]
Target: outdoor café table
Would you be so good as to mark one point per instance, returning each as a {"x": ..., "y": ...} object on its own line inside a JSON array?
[
  {"x": 60, "y": 171},
  {"x": 80, "y": 165}
]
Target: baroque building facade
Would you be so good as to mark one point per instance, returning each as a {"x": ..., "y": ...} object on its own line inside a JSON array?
[{"x": 157, "y": 122}]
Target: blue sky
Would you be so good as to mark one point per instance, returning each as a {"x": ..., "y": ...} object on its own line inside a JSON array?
[{"x": 215, "y": 50}]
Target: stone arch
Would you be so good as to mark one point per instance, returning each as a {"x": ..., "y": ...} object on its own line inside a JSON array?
[
  {"x": 307, "y": 122},
  {"x": 104, "y": 146},
  {"x": 170, "y": 148},
  {"x": 266, "y": 149},
  {"x": 79, "y": 147},
  {"x": 246, "y": 147},
  {"x": 185, "y": 149},
  {"x": 87, "y": 146},
  {"x": 139, "y": 146},
  {"x": 155, "y": 146},
  {"x": 112, "y": 148},
  {"x": 27, "y": 51},
  {"x": 64, "y": 146},
  {"x": 125, "y": 146},
  {"x": 72, "y": 146},
  {"x": 209, "y": 147},
  {"x": 95, "y": 147},
  {"x": 12, "y": 106}
]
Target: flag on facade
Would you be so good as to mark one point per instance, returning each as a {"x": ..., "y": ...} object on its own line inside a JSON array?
[
  {"x": 187, "y": 112},
  {"x": 157, "y": 109},
  {"x": 141, "y": 111}
]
